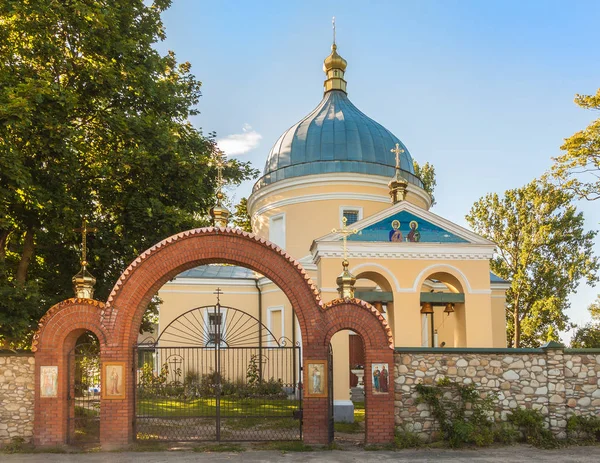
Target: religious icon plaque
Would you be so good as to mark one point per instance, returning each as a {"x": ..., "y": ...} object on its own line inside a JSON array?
[
  {"x": 113, "y": 380},
  {"x": 316, "y": 378},
  {"x": 48, "y": 382},
  {"x": 380, "y": 375}
]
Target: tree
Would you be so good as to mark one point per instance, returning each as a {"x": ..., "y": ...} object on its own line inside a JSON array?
[
  {"x": 542, "y": 249},
  {"x": 93, "y": 122},
  {"x": 588, "y": 335},
  {"x": 241, "y": 218},
  {"x": 579, "y": 168},
  {"x": 427, "y": 175}
]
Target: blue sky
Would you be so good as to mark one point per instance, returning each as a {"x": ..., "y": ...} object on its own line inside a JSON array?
[{"x": 481, "y": 89}]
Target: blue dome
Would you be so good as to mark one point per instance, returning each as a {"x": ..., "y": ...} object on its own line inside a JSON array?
[{"x": 336, "y": 137}]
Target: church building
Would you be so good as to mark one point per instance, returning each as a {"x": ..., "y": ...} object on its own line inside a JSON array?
[{"x": 339, "y": 194}]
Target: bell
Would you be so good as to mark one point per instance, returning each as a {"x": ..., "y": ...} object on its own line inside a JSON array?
[
  {"x": 426, "y": 308},
  {"x": 378, "y": 306},
  {"x": 449, "y": 308}
]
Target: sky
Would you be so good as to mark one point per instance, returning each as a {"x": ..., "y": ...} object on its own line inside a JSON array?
[{"x": 482, "y": 89}]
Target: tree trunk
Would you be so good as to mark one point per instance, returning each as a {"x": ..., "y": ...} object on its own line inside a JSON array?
[
  {"x": 28, "y": 248},
  {"x": 3, "y": 239},
  {"x": 517, "y": 322}
]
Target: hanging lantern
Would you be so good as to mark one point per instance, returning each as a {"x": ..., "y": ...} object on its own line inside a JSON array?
[
  {"x": 426, "y": 308},
  {"x": 449, "y": 308}
]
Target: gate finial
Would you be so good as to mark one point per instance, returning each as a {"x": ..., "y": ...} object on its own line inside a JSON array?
[
  {"x": 345, "y": 280},
  {"x": 84, "y": 281},
  {"x": 219, "y": 213}
]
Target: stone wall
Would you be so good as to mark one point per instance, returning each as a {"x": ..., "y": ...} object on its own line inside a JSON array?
[
  {"x": 559, "y": 382},
  {"x": 16, "y": 396}
]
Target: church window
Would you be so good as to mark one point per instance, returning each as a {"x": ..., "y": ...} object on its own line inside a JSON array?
[
  {"x": 277, "y": 230},
  {"x": 352, "y": 216}
]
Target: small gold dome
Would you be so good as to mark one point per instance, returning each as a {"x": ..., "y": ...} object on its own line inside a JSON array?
[
  {"x": 83, "y": 283},
  {"x": 345, "y": 282},
  {"x": 334, "y": 61}
]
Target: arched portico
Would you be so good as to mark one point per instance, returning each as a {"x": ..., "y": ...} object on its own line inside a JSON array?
[{"x": 116, "y": 325}]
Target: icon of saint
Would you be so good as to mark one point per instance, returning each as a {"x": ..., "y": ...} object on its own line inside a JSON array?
[
  {"x": 376, "y": 376},
  {"x": 383, "y": 380},
  {"x": 114, "y": 381},
  {"x": 414, "y": 236},
  {"x": 316, "y": 380},
  {"x": 395, "y": 233}
]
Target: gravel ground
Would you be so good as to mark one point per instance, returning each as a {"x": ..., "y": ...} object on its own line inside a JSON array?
[{"x": 492, "y": 455}]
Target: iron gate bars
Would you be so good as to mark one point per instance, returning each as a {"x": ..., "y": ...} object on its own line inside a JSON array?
[
  {"x": 83, "y": 394},
  {"x": 206, "y": 378}
]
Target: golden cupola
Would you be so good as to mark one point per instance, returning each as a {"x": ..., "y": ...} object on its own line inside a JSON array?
[{"x": 334, "y": 67}]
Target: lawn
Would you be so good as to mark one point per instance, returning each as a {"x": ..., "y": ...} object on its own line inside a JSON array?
[{"x": 207, "y": 407}]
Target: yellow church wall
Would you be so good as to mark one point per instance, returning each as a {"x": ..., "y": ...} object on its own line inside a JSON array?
[
  {"x": 474, "y": 324},
  {"x": 312, "y": 210},
  {"x": 499, "y": 317}
]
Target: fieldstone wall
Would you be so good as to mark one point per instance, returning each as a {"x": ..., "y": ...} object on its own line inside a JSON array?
[
  {"x": 559, "y": 382},
  {"x": 16, "y": 396}
]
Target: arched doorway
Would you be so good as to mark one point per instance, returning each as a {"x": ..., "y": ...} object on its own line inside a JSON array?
[
  {"x": 83, "y": 393},
  {"x": 442, "y": 311},
  {"x": 117, "y": 324},
  {"x": 216, "y": 373}
]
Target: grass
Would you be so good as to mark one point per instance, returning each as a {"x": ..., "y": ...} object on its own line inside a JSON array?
[
  {"x": 208, "y": 407},
  {"x": 294, "y": 446},
  {"x": 355, "y": 427},
  {"x": 219, "y": 448}
]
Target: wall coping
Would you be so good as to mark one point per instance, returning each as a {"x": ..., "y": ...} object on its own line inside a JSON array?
[
  {"x": 474, "y": 350},
  {"x": 16, "y": 353},
  {"x": 594, "y": 350}
]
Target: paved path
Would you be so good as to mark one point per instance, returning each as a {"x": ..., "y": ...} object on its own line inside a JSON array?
[{"x": 495, "y": 455}]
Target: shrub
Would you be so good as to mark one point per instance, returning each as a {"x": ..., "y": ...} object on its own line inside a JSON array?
[
  {"x": 463, "y": 415},
  {"x": 583, "y": 428},
  {"x": 531, "y": 423}
]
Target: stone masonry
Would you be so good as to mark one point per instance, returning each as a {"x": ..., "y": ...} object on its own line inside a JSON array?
[
  {"x": 16, "y": 396},
  {"x": 559, "y": 382}
]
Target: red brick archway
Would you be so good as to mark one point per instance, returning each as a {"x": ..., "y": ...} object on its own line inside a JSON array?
[{"x": 116, "y": 325}]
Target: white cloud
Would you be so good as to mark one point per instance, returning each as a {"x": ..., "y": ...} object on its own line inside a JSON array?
[{"x": 240, "y": 143}]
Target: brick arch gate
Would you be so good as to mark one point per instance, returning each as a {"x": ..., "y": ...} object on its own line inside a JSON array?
[{"x": 116, "y": 324}]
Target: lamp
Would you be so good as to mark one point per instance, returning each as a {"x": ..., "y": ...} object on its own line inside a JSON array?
[
  {"x": 449, "y": 308},
  {"x": 426, "y": 308}
]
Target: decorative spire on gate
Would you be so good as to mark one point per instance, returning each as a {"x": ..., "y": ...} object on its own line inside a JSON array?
[
  {"x": 84, "y": 281},
  {"x": 398, "y": 184},
  {"x": 219, "y": 213},
  {"x": 345, "y": 280}
]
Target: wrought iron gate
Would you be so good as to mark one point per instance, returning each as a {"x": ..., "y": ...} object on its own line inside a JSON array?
[
  {"x": 83, "y": 394},
  {"x": 216, "y": 373}
]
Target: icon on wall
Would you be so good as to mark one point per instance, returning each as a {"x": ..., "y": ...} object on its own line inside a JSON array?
[
  {"x": 49, "y": 381},
  {"x": 381, "y": 378},
  {"x": 113, "y": 380},
  {"x": 316, "y": 378}
]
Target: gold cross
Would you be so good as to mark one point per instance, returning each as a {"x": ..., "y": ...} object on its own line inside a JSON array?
[
  {"x": 218, "y": 292},
  {"x": 220, "y": 163},
  {"x": 398, "y": 151},
  {"x": 84, "y": 230},
  {"x": 345, "y": 232},
  {"x": 333, "y": 23}
]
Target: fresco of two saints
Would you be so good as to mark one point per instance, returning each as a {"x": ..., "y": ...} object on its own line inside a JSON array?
[
  {"x": 381, "y": 378},
  {"x": 413, "y": 236}
]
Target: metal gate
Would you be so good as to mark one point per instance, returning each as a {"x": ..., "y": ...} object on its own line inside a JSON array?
[
  {"x": 83, "y": 394},
  {"x": 216, "y": 373}
]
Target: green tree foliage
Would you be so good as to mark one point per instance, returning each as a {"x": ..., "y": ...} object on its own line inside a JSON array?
[
  {"x": 93, "y": 122},
  {"x": 578, "y": 169},
  {"x": 427, "y": 175},
  {"x": 241, "y": 218},
  {"x": 542, "y": 249},
  {"x": 588, "y": 335}
]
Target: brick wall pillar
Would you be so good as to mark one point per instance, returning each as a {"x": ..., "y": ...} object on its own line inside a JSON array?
[{"x": 555, "y": 370}]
